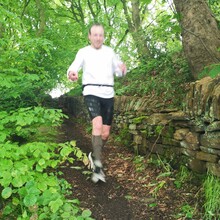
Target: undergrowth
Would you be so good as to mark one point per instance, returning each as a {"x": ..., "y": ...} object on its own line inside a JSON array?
[
  {"x": 30, "y": 187},
  {"x": 212, "y": 197},
  {"x": 165, "y": 77}
]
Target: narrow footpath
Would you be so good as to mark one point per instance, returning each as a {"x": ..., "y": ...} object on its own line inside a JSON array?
[{"x": 133, "y": 191}]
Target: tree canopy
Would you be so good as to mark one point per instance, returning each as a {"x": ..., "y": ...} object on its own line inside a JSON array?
[{"x": 39, "y": 39}]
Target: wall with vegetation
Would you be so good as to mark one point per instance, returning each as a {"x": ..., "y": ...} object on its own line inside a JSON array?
[{"x": 190, "y": 136}]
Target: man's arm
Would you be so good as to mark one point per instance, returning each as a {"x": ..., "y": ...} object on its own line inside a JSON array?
[
  {"x": 120, "y": 68},
  {"x": 72, "y": 72},
  {"x": 123, "y": 68}
]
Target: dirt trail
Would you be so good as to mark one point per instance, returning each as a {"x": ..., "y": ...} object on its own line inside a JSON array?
[{"x": 127, "y": 194}]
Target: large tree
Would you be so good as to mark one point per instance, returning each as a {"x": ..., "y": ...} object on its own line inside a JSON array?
[{"x": 200, "y": 34}]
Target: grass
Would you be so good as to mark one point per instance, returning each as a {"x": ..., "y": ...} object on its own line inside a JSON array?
[{"x": 212, "y": 197}]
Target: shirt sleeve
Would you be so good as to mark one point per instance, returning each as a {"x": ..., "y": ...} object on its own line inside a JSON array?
[
  {"x": 116, "y": 63},
  {"x": 77, "y": 63}
]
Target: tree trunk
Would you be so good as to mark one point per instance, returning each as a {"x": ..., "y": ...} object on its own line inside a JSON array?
[
  {"x": 42, "y": 19},
  {"x": 134, "y": 27},
  {"x": 200, "y": 34}
]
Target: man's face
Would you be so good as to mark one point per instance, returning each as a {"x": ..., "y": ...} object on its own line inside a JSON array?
[{"x": 96, "y": 36}]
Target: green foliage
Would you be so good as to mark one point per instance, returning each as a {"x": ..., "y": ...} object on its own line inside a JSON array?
[
  {"x": 28, "y": 189},
  {"x": 182, "y": 176},
  {"x": 24, "y": 76},
  {"x": 161, "y": 162},
  {"x": 215, "y": 7},
  {"x": 212, "y": 197},
  {"x": 164, "y": 77},
  {"x": 139, "y": 119},
  {"x": 124, "y": 137},
  {"x": 212, "y": 71},
  {"x": 24, "y": 123},
  {"x": 139, "y": 163},
  {"x": 185, "y": 212}
]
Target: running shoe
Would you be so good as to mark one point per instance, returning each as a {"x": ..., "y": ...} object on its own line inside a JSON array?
[
  {"x": 96, "y": 167},
  {"x": 92, "y": 165},
  {"x": 98, "y": 176}
]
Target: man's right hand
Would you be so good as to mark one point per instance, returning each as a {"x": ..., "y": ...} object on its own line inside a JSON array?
[{"x": 73, "y": 76}]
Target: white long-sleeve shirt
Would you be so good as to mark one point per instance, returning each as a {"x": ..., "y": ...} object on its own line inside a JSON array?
[{"x": 99, "y": 67}]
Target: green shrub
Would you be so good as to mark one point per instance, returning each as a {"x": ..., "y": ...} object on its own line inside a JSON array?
[{"x": 212, "y": 197}]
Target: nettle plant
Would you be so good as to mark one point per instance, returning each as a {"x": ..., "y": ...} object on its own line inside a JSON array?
[{"x": 30, "y": 187}]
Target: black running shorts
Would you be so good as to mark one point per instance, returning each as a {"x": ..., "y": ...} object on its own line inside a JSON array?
[{"x": 100, "y": 107}]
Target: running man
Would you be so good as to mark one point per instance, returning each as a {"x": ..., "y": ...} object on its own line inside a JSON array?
[{"x": 99, "y": 64}]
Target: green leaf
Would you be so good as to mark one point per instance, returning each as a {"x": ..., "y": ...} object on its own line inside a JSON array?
[
  {"x": 30, "y": 200},
  {"x": 15, "y": 201},
  {"x": 74, "y": 201},
  {"x": 79, "y": 154},
  {"x": 39, "y": 168},
  {"x": 55, "y": 205},
  {"x": 86, "y": 213},
  {"x": 18, "y": 181},
  {"x": 42, "y": 185},
  {"x": 73, "y": 143},
  {"x": 36, "y": 153},
  {"x": 54, "y": 163},
  {"x": 65, "y": 151},
  {"x": 41, "y": 162},
  {"x": 6, "y": 192},
  {"x": 67, "y": 207},
  {"x": 2, "y": 137},
  {"x": 33, "y": 190},
  {"x": 52, "y": 181},
  {"x": 46, "y": 155}
]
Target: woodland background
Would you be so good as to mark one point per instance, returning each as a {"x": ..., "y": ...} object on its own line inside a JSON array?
[{"x": 165, "y": 44}]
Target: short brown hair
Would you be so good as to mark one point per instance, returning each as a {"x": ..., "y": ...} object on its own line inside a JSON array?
[{"x": 95, "y": 24}]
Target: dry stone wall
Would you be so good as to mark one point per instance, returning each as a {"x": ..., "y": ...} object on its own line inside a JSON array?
[{"x": 190, "y": 136}]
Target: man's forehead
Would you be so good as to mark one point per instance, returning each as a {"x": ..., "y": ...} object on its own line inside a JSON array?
[{"x": 96, "y": 29}]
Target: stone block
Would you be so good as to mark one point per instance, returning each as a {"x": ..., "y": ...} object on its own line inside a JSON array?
[
  {"x": 132, "y": 127},
  {"x": 158, "y": 118},
  {"x": 215, "y": 106},
  {"x": 188, "y": 152},
  {"x": 214, "y": 168},
  {"x": 192, "y": 138},
  {"x": 211, "y": 140},
  {"x": 188, "y": 145},
  {"x": 170, "y": 141},
  {"x": 203, "y": 98},
  {"x": 178, "y": 116},
  {"x": 157, "y": 148},
  {"x": 206, "y": 157},
  {"x": 210, "y": 150},
  {"x": 180, "y": 134},
  {"x": 197, "y": 165}
]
